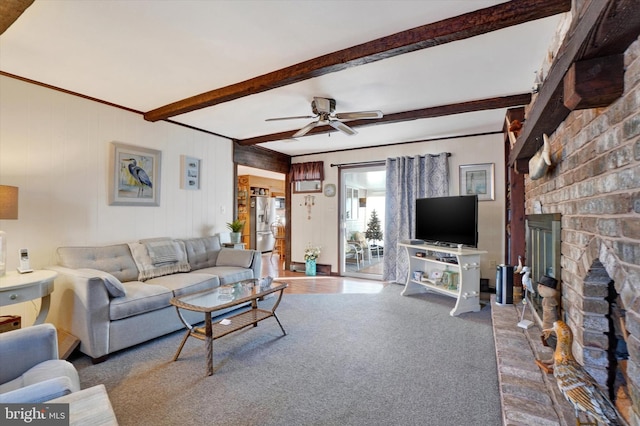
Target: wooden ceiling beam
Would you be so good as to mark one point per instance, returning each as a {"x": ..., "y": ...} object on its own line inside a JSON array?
[
  {"x": 10, "y": 11},
  {"x": 438, "y": 111},
  {"x": 461, "y": 27}
]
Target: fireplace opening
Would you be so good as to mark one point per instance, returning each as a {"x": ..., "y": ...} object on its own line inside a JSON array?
[
  {"x": 601, "y": 343},
  {"x": 617, "y": 353}
]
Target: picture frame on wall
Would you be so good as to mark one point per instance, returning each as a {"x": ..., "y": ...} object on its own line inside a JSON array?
[
  {"x": 189, "y": 172},
  {"x": 134, "y": 175},
  {"x": 478, "y": 179}
]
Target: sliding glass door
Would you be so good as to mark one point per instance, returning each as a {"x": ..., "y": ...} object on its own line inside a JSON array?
[{"x": 362, "y": 205}]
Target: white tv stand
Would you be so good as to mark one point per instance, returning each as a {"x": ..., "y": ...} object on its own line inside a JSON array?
[{"x": 467, "y": 266}]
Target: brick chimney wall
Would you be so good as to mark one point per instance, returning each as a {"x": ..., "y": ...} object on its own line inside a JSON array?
[{"x": 595, "y": 184}]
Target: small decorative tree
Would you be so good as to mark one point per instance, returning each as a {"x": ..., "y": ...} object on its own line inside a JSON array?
[{"x": 373, "y": 231}]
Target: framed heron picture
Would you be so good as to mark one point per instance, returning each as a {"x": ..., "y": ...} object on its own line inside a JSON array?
[{"x": 134, "y": 176}]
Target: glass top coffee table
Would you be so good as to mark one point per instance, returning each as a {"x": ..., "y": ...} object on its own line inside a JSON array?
[{"x": 226, "y": 296}]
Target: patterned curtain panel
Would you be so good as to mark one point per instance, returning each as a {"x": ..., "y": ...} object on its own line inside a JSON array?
[
  {"x": 307, "y": 171},
  {"x": 408, "y": 178}
]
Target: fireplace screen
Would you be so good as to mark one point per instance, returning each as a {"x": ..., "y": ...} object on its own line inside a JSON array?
[{"x": 543, "y": 251}]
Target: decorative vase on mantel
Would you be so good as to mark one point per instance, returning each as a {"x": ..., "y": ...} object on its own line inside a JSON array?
[{"x": 310, "y": 267}]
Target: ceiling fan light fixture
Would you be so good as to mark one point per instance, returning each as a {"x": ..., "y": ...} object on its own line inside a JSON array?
[{"x": 323, "y": 108}]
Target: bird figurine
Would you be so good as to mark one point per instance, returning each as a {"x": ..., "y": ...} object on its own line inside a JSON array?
[
  {"x": 526, "y": 279},
  {"x": 577, "y": 385},
  {"x": 540, "y": 162},
  {"x": 141, "y": 177},
  {"x": 518, "y": 269}
]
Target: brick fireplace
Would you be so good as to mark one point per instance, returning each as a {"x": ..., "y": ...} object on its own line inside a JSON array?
[{"x": 594, "y": 185}]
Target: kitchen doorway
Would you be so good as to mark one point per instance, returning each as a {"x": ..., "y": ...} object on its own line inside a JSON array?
[
  {"x": 262, "y": 206},
  {"x": 362, "y": 211}
]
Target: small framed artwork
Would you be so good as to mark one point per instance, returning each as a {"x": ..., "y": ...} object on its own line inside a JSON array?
[
  {"x": 477, "y": 179},
  {"x": 134, "y": 176},
  {"x": 189, "y": 172}
]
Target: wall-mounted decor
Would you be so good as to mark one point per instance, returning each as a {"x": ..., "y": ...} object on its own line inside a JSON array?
[
  {"x": 540, "y": 162},
  {"x": 134, "y": 176},
  {"x": 189, "y": 172},
  {"x": 309, "y": 201},
  {"x": 330, "y": 190},
  {"x": 477, "y": 179}
]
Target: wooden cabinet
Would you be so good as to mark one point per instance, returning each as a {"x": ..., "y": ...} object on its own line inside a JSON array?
[
  {"x": 244, "y": 209},
  {"x": 254, "y": 186}
]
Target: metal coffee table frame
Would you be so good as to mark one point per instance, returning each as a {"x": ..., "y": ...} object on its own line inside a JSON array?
[{"x": 210, "y": 301}]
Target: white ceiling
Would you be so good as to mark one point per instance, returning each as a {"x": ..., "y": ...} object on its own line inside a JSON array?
[{"x": 145, "y": 54}]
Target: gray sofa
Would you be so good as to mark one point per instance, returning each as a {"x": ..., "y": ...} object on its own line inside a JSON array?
[{"x": 113, "y": 297}]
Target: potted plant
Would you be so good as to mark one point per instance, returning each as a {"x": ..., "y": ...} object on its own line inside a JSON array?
[{"x": 236, "y": 230}]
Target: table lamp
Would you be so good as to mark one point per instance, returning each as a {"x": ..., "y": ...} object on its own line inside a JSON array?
[{"x": 8, "y": 210}]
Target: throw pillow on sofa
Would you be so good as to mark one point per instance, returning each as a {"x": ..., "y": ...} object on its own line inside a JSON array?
[{"x": 232, "y": 257}]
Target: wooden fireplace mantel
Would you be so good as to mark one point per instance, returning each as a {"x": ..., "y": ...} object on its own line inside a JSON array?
[{"x": 577, "y": 78}]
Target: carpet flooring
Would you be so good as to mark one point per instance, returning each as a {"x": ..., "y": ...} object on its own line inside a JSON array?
[{"x": 347, "y": 359}]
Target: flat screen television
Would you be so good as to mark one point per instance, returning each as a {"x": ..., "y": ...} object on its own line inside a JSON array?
[{"x": 448, "y": 220}]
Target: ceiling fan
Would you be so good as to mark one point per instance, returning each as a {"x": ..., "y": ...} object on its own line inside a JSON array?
[{"x": 324, "y": 108}]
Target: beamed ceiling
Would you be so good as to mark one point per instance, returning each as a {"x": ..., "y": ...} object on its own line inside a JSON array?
[{"x": 436, "y": 69}]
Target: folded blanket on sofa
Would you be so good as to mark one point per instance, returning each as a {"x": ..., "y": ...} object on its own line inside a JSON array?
[
  {"x": 145, "y": 263},
  {"x": 162, "y": 252}
]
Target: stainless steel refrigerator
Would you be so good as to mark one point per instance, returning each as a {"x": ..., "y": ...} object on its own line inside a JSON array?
[{"x": 263, "y": 213}]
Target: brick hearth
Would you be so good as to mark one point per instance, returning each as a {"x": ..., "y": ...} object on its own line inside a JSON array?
[{"x": 528, "y": 395}]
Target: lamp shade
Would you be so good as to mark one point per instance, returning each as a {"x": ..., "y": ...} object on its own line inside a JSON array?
[{"x": 8, "y": 202}]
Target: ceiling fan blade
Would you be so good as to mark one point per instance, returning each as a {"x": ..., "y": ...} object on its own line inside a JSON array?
[
  {"x": 342, "y": 127},
  {"x": 291, "y": 118},
  {"x": 306, "y": 129},
  {"x": 359, "y": 115}
]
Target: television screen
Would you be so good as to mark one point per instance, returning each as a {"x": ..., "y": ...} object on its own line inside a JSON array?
[{"x": 448, "y": 220}]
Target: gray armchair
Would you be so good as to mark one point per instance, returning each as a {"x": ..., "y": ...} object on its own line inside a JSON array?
[{"x": 30, "y": 371}]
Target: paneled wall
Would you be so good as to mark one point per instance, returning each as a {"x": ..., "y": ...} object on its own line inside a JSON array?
[{"x": 55, "y": 147}]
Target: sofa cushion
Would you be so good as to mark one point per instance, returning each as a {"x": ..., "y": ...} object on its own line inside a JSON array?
[
  {"x": 181, "y": 284},
  {"x": 112, "y": 284},
  {"x": 114, "y": 259},
  {"x": 141, "y": 297},
  {"x": 229, "y": 274},
  {"x": 148, "y": 269},
  {"x": 232, "y": 257},
  {"x": 202, "y": 252}
]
